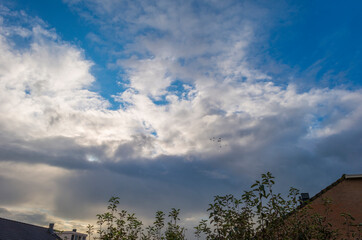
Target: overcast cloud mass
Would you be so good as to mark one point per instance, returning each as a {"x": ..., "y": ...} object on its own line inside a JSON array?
[{"x": 168, "y": 103}]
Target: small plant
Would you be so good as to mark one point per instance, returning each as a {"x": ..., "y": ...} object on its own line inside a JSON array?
[
  {"x": 90, "y": 230},
  {"x": 174, "y": 231}
]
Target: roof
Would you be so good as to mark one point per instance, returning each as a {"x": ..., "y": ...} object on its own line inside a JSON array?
[
  {"x": 13, "y": 230},
  {"x": 344, "y": 177}
]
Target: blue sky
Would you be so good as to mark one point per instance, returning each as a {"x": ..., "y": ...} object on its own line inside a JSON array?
[
  {"x": 320, "y": 41},
  {"x": 323, "y": 33},
  {"x": 102, "y": 98}
]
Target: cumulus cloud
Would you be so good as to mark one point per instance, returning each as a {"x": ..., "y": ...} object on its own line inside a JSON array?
[{"x": 205, "y": 46}]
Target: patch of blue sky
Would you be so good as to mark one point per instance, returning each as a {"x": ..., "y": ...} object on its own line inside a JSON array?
[
  {"x": 322, "y": 42},
  {"x": 57, "y": 15},
  {"x": 17, "y": 31},
  {"x": 177, "y": 88},
  {"x": 107, "y": 86},
  {"x": 160, "y": 100},
  {"x": 154, "y": 133},
  {"x": 317, "y": 122},
  {"x": 149, "y": 129},
  {"x": 27, "y": 91},
  {"x": 19, "y": 42}
]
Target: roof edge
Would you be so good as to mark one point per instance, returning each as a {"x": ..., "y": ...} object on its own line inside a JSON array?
[
  {"x": 351, "y": 176},
  {"x": 324, "y": 190},
  {"x": 341, "y": 179},
  {"x": 16, "y": 221}
]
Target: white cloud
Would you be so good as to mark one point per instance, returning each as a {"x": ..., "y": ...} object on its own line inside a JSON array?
[
  {"x": 45, "y": 89},
  {"x": 45, "y": 92}
]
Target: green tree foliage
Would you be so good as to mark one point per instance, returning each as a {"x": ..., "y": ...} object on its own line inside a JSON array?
[
  {"x": 259, "y": 213},
  {"x": 121, "y": 225},
  {"x": 174, "y": 231}
]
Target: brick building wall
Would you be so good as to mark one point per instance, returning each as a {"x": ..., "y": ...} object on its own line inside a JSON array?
[{"x": 346, "y": 197}]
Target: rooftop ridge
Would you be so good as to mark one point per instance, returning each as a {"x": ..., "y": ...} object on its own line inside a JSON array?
[{"x": 22, "y": 223}]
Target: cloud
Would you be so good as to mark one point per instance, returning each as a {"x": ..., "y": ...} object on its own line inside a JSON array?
[{"x": 197, "y": 118}]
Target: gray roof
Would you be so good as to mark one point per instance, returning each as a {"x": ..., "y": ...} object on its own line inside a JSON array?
[{"x": 13, "y": 230}]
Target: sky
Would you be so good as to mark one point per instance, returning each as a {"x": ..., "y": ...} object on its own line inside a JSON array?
[{"x": 169, "y": 103}]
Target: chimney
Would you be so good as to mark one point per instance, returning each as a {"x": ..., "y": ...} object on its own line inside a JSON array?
[
  {"x": 51, "y": 227},
  {"x": 304, "y": 197},
  {"x": 74, "y": 230}
]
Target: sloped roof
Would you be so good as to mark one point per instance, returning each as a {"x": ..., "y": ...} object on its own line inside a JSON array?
[
  {"x": 13, "y": 230},
  {"x": 344, "y": 177}
]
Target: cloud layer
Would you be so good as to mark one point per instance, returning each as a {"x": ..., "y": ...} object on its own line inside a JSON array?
[{"x": 197, "y": 118}]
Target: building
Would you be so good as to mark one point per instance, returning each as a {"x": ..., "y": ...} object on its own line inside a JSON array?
[
  {"x": 72, "y": 235},
  {"x": 13, "y": 230},
  {"x": 346, "y": 197}
]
